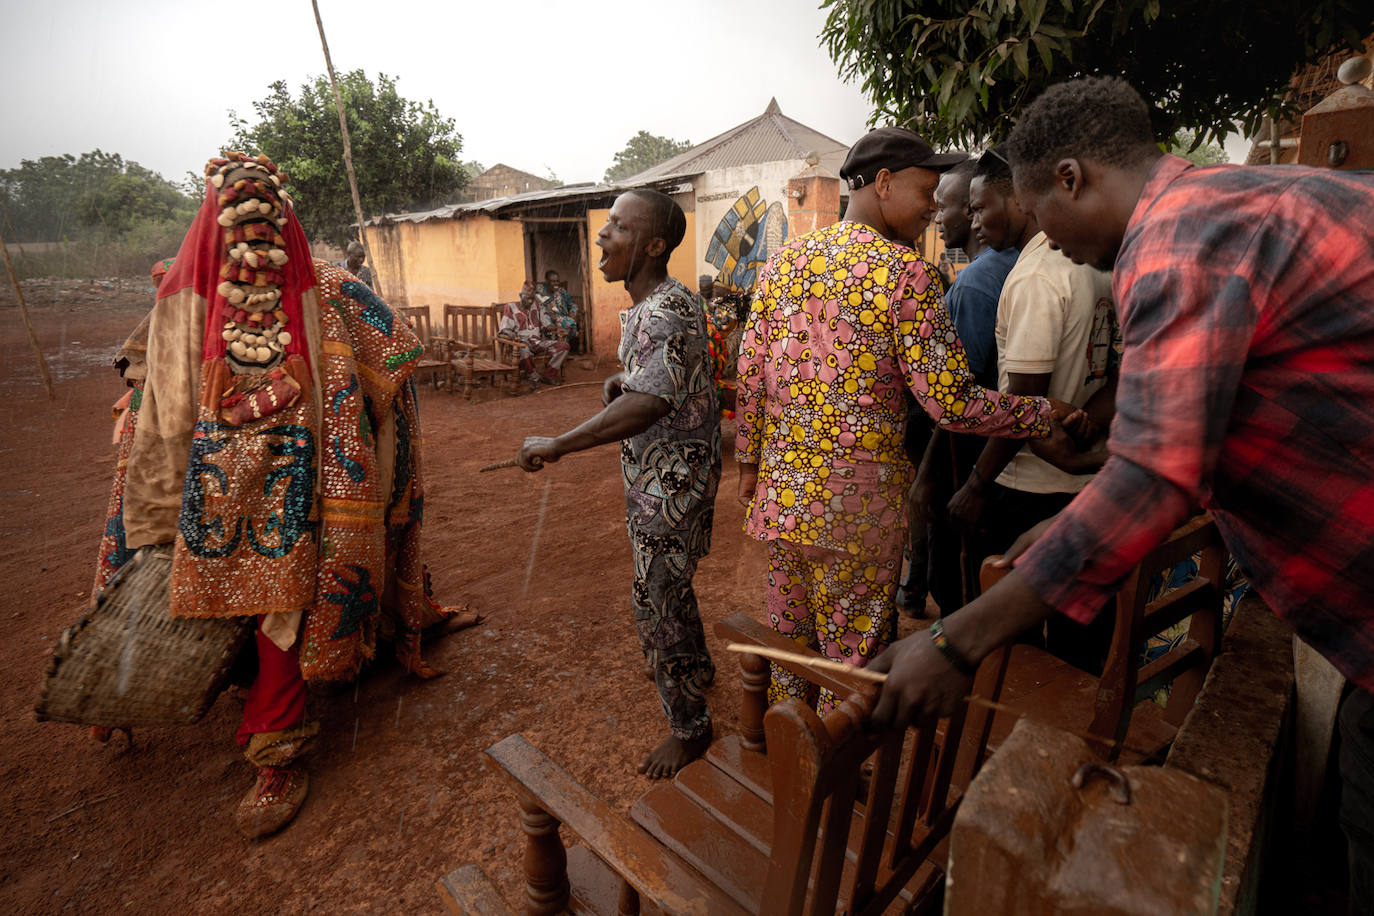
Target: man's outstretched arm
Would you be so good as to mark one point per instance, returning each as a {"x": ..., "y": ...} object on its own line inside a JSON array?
[{"x": 628, "y": 415}]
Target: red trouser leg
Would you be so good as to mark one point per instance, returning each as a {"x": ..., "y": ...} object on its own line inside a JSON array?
[{"x": 276, "y": 701}]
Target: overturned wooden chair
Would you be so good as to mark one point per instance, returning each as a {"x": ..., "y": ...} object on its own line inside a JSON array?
[
  {"x": 785, "y": 818},
  {"x": 1117, "y": 708},
  {"x": 470, "y": 341},
  {"x": 434, "y": 360}
]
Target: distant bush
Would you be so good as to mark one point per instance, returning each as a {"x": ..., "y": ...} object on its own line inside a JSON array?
[{"x": 95, "y": 253}]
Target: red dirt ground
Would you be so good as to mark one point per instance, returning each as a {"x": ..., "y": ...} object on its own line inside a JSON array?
[{"x": 399, "y": 791}]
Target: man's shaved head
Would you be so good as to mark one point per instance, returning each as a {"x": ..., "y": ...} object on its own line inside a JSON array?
[{"x": 666, "y": 219}]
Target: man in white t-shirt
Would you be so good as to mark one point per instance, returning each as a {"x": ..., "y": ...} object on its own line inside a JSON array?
[{"x": 1055, "y": 335}]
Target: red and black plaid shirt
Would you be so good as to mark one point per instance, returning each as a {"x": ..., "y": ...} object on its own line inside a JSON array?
[{"x": 1246, "y": 299}]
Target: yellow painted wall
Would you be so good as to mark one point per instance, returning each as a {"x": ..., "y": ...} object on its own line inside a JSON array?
[
  {"x": 610, "y": 299},
  {"x": 468, "y": 261}
]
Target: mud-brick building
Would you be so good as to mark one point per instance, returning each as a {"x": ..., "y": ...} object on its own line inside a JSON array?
[
  {"x": 502, "y": 181},
  {"x": 744, "y": 192}
]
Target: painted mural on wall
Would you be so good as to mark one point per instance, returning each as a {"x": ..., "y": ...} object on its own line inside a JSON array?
[{"x": 750, "y": 231}]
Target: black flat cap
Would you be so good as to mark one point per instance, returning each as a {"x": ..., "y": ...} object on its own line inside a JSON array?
[{"x": 894, "y": 149}]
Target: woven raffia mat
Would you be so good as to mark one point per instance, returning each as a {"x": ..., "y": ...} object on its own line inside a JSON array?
[{"x": 127, "y": 662}]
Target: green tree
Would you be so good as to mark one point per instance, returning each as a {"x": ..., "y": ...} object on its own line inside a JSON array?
[
  {"x": 60, "y": 197},
  {"x": 1189, "y": 145},
  {"x": 473, "y": 168},
  {"x": 405, "y": 154},
  {"x": 643, "y": 151},
  {"x": 960, "y": 71}
]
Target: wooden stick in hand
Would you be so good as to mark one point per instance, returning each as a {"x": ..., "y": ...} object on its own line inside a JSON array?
[
  {"x": 510, "y": 463},
  {"x": 809, "y": 661}
]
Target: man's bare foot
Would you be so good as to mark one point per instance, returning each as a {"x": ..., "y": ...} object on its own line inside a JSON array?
[{"x": 673, "y": 754}]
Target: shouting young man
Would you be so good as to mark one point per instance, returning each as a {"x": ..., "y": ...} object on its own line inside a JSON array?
[{"x": 663, "y": 411}]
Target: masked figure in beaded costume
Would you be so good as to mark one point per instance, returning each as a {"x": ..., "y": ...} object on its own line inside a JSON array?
[{"x": 277, "y": 443}]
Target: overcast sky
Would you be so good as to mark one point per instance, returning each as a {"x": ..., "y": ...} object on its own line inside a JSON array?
[
  {"x": 535, "y": 84},
  {"x": 539, "y": 85}
]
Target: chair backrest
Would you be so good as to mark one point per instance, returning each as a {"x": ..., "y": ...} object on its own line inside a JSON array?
[
  {"x": 904, "y": 810},
  {"x": 1184, "y": 666},
  {"x": 1124, "y": 683},
  {"x": 470, "y": 327},
  {"x": 418, "y": 317}
]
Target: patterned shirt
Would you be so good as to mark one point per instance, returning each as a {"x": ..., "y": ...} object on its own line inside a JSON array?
[
  {"x": 671, "y": 469},
  {"x": 558, "y": 311},
  {"x": 1246, "y": 300},
  {"x": 843, "y": 321}
]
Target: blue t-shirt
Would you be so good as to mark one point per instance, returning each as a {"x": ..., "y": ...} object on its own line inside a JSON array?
[{"x": 972, "y": 302}]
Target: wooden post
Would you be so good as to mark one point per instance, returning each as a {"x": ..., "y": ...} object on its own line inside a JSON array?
[
  {"x": 28, "y": 325},
  {"x": 755, "y": 673},
  {"x": 546, "y": 862},
  {"x": 347, "y": 150}
]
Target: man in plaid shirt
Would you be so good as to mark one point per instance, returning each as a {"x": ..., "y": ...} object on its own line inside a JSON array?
[{"x": 1246, "y": 300}]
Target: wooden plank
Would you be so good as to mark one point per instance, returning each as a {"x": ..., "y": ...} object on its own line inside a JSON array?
[
  {"x": 1187, "y": 654},
  {"x": 733, "y": 804},
  {"x": 725, "y": 858},
  {"x": 746, "y": 767},
  {"x": 658, "y": 875},
  {"x": 467, "y": 891},
  {"x": 1053, "y": 692},
  {"x": 1191, "y": 598}
]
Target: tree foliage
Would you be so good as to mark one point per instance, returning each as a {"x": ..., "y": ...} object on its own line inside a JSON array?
[
  {"x": 644, "y": 150},
  {"x": 405, "y": 154},
  {"x": 960, "y": 71},
  {"x": 1188, "y": 145},
  {"x": 60, "y": 197}
]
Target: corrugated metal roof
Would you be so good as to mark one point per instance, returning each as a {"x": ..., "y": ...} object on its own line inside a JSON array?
[
  {"x": 770, "y": 137},
  {"x": 496, "y": 204}
]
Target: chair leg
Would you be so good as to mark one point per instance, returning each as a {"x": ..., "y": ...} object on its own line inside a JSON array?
[{"x": 546, "y": 861}]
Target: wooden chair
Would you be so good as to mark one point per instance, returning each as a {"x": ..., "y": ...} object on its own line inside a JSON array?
[
  {"x": 1116, "y": 707},
  {"x": 781, "y": 819},
  {"x": 470, "y": 341},
  {"x": 435, "y": 358}
]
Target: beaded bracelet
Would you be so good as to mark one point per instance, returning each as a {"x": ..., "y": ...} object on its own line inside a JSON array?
[{"x": 951, "y": 654}]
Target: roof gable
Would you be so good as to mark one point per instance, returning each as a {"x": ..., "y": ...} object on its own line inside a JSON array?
[{"x": 770, "y": 137}]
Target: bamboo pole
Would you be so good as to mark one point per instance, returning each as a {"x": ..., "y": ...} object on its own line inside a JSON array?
[
  {"x": 28, "y": 325},
  {"x": 347, "y": 149}
]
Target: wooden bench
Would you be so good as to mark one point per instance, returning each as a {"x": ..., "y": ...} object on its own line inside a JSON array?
[
  {"x": 470, "y": 335},
  {"x": 798, "y": 814}
]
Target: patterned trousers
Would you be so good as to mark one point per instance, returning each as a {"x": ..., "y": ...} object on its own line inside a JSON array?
[
  {"x": 670, "y": 634},
  {"x": 831, "y": 602}
]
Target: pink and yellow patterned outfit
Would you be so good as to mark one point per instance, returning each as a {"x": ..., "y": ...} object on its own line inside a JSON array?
[{"x": 843, "y": 320}]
